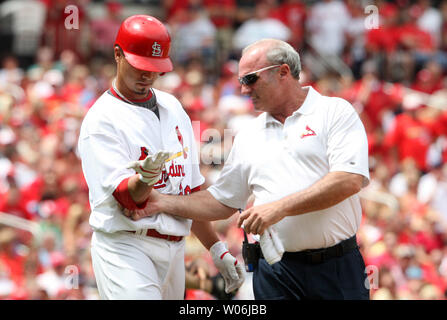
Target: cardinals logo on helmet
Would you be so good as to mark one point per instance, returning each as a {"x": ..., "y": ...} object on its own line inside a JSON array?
[{"x": 156, "y": 50}]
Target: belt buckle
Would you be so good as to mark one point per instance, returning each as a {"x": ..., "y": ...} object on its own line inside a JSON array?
[{"x": 168, "y": 238}]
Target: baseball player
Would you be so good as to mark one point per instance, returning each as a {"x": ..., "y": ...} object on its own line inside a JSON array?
[
  {"x": 122, "y": 145},
  {"x": 303, "y": 159}
]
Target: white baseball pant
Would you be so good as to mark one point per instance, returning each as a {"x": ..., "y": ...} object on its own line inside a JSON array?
[{"x": 128, "y": 266}]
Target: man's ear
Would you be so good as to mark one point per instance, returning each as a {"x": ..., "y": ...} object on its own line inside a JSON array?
[
  {"x": 117, "y": 53},
  {"x": 284, "y": 70}
]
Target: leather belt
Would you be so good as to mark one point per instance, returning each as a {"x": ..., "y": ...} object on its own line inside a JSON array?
[
  {"x": 154, "y": 233},
  {"x": 316, "y": 256}
]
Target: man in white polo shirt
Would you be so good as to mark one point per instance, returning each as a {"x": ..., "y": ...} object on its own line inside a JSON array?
[{"x": 304, "y": 160}]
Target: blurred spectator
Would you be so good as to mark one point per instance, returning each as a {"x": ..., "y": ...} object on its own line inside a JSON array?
[
  {"x": 410, "y": 133},
  {"x": 293, "y": 14},
  {"x": 228, "y": 82},
  {"x": 327, "y": 26},
  {"x": 259, "y": 27},
  {"x": 222, "y": 14},
  {"x": 44, "y": 60},
  {"x": 53, "y": 280},
  {"x": 10, "y": 259},
  {"x": 443, "y": 40},
  {"x": 382, "y": 43},
  {"x": 384, "y": 38},
  {"x": 411, "y": 36},
  {"x": 59, "y": 34},
  {"x": 432, "y": 190},
  {"x": 10, "y": 73},
  {"x": 429, "y": 79},
  {"x": 174, "y": 9},
  {"x": 418, "y": 42},
  {"x": 429, "y": 19},
  {"x": 27, "y": 17},
  {"x": 355, "y": 52},
  {"x": 371, "y": 97},
  {"x": 13, "y": 201},
  {"x": 406, "y": 179},
  {"x": 191, "y": 96},
  {"x": 194, "y": 37},
  {"x": 103, "y": 31},
  {"x": 244, "y": 11}
]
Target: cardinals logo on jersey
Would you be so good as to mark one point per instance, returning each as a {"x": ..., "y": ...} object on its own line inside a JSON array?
[
  {"x": 309, "y": 132},
  {"x": 180, "y": 139},
  {"x": 144, "y": 153}
]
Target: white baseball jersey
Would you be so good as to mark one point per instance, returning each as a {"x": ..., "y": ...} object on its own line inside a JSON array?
[
  {"x": 114, "y": 133},
  {"x": 272, "y": 160}
]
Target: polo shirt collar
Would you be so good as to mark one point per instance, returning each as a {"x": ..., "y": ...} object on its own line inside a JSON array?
[{"x": 307, "y": 107}]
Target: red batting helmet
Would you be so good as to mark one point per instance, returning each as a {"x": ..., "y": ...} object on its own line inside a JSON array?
[{"x": 145, "y": 42}]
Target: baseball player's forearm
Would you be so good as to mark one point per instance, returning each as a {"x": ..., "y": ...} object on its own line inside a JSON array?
[
  {"x": 201, "y": 206},
  {"x": 327, "y": 192},
  {"x": 139, "y": 190},
  {"x": 205, "y": 233}
]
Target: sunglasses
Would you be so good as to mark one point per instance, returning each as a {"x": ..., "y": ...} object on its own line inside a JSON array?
[{"x": 252, "y": 77}]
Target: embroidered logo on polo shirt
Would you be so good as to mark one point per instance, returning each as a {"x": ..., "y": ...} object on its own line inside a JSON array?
[{"x": 309, "y": 132}]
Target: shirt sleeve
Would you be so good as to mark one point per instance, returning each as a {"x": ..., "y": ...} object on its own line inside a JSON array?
[
  {"x": 196, "y": 179},
  {"x": 104, "y": 160},
  {"x": 122, "y": 195},
  {"x": 231, "y": 188},
  {"x": 347, "y": 142}
]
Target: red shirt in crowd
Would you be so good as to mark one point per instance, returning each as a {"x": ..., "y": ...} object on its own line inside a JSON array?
[
  {"x": 426, "y": 81},
  {"x": 57, "y": 36},
  {"x": 377, "y": 99},
  {"x": 385, "y": 38},
  {"x": 175, "y": 8},
  {"x": 428, "y": 241},
  {"x": 412, "y": 37},
  {"x": 412, "y": 138},
  {"x": 221, "y": 12},
  {"x": 15, "y": 266},
  {"x": 293, "y": 14}
]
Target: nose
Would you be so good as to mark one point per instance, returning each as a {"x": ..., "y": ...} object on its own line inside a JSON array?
[
  {"x": 245, "y": 90},
  {"x": 149, "y": 75}
]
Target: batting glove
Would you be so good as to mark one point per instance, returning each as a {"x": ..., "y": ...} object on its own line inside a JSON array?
[
  {"x": 150, "y": 168},
  {"x": 232, "y": 272}
]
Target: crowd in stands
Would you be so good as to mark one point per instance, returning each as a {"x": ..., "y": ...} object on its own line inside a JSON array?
[{"x": 387, "y": 58}]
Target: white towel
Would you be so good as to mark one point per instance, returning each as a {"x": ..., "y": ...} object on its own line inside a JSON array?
[{"x": 271, "y": 246}]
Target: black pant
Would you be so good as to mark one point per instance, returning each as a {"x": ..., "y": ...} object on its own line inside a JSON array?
[{"x": 335, "y": 279}]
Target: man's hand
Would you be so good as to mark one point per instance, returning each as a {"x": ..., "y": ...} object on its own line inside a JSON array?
[
  {"x": 153, "y": 206},
  {"x": 258, "y": 218},
  {"x": 150, "y": 168},
  {"x": 232, "y": 271}
]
